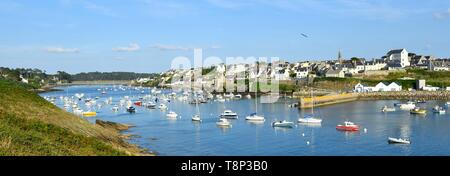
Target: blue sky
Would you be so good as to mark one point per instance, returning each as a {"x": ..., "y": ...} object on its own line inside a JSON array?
[{"x": 145, "y": 35}]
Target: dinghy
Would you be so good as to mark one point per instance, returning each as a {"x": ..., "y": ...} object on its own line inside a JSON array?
[
  {"x": 398, "y": 141},
  {"x": 284, "y": 124}
]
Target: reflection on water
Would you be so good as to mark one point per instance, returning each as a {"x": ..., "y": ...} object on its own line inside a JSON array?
[{"x": 430, "y": 134}]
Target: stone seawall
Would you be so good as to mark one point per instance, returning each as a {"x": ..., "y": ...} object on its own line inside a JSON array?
[{"x": 305, "y": 103}]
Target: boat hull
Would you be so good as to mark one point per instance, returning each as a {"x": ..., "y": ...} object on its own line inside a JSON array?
[{"x": 347, "y": 128}]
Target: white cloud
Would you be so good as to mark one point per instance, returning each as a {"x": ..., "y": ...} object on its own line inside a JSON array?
[
  {"x": 89, "y": 5},
  {"x": 170, "y": 47},
  {"x": 168, "y": 8},
  {"x": 62, "y": 50},
  {"x": 442, "y": 15},
  {"x": 130, "y": 48},
  {"x": 180, "y": 48},
  {"x": 99, "y": 9},
  {"x": 215, "y": 47}
]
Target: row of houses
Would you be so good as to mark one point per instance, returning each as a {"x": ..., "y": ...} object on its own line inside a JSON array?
[
  {"x": 340, "y": 68},
  {"x": 380, "y": 87},
  {"x": 394, "y": 87}
]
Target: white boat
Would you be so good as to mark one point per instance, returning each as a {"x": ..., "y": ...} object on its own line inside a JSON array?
[
  {"x": 387, "y": 109},
  {"x": 115, "y": 108},
  {"x": 238, "y": 96},
  {"x": 408, "y": 106},
  {"x": 439, "y": 110},
  {"x": 255, "y": 117},
  {"x": 196, "y": 118},
  {"x": 162, "y": 106},
  {"x": 448, "y": 103},
  {"x": 398, "y": 141},
  {"x": 249, "y": 96},
  {"x": 150, "y": 105},
  {"x": 78, "y": 111},
  {"x": 223, "y": 122},
  {"x": 310, "y": 118},
  {"x": 229, "y": 114},
  {"x": 231, "y": 95},
  {"x": 284, "y": 124},
  {"x": 221, "y": 100},
  {"x": 172, "y": 114}
]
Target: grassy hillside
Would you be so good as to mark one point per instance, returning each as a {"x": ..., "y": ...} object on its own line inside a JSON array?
[{"x": 29, "y": 125}]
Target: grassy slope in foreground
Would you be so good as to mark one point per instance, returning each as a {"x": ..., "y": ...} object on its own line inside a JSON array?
[{"x": 29, "y": 125}]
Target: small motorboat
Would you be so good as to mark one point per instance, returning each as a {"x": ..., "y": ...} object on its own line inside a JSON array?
[
  {"x": 309, "y": 119},
  {"x": 172, "y": 114},
  {"x": 387, "y": 109},
  {"x": 255, "y": 117},
  {"x": 150, "y": 105},
  {"x": 223, "y": 122},
  {"x": 78, "y": 111},
  {"x": 439, "y": 110},
  {"x": 408, "y": 106},
  {"x": 138, "y": 103},
  {"x": 347, "y": 126},
  {"x": 104, "y": 92},
  {"x": 228, "y": 114},
  {"x": 284, "y": 124},
  {"x": 418, "y": 111},
  {"x": 89, "y": 113},
  {"x": 448, "y": 103},
  {"x": 196, "y": 118},
  {"x": 162, "y": 106},
  {"x": 398, "y": 141},
  {"x": 238, "y": 96},
  {"x": 248, "y": 96},
  {"x": 115, "y": 108},
  {"x": 131, "y": 109},
  {"x": 421, "y": 101}
]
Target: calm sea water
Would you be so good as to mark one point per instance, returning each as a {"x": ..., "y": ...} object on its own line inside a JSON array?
[{"x": 430, "y": 134}]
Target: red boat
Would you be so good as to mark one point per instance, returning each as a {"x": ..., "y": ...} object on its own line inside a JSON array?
[
  {"x": 138, "y": 103},
  {"x": 348, "y": 126}
]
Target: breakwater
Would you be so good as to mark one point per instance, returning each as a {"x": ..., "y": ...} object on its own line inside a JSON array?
[{"x": 308, "y": 102}]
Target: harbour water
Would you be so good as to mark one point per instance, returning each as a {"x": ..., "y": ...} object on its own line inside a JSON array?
[{"x": 429, "y": 134}]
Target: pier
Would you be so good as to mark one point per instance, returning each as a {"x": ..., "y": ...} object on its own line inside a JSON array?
[{"x": 308, "y": 102}]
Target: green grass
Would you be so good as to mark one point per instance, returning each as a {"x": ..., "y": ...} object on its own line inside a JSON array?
[
  {"x": 29, "y": 125},
  {"x": 21, "y": 136}
]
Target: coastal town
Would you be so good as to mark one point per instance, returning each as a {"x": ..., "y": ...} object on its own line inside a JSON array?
[{"x": 396, "y": 62}]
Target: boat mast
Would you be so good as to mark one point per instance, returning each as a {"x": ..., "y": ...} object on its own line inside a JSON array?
[
  {"x": 312, "y": 102},
  {"x": 256, "y": 96}
]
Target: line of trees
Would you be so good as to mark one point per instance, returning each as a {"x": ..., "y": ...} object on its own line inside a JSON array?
[{"x": 97, "y": 76}]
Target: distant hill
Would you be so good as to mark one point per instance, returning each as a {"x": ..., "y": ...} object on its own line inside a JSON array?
[
  {"x": 98, "y": 76},
  {"x": 29, "y": 125}
]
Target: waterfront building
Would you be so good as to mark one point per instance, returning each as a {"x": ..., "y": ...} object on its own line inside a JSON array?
[
  {"x": 398, "y": 56},
  {"x": 420, "y": 84},
  {"x": 380, "y": 87},
  {"x": 335, "y": 73}
]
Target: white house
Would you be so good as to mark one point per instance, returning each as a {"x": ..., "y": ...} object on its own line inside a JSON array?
[
  {"x": 380, "y": 87},
  {"x": 281, "y": 75},
  {"x": 23, "y": 79},
  {"x": 394, "y": 87},
  {"x": 430, "y": 88},
  {"x": 338, "y": 73},
  {"x": 301, "y": 73},
  {"x": 400, "y": 55}
]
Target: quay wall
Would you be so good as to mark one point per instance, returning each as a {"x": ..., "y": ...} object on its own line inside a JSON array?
[{"x": 307, "y": 102}]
